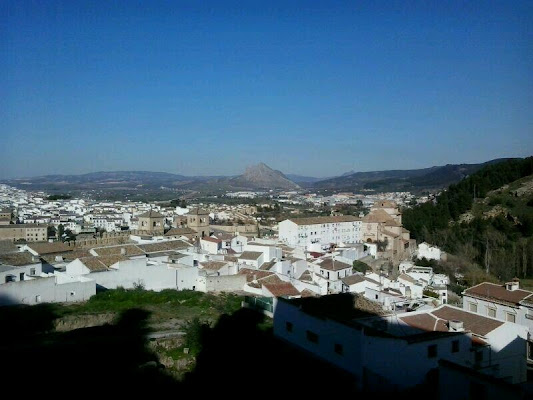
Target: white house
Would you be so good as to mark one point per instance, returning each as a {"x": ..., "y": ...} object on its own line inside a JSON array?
[
  {"x": 390, "y": 353},
  {"x": 252, "y": 258},
  {"x": 331, "y": 271},
  {"x": 111, "y": 272},
  {"x": 51, "y": 288},
  {"x": 428, "y": 252},
  {"x": 270, "y": 252},
  {"x": 358, "y": 283},
  {"x": 504, "y": 302},
  {"x": 211, "y": 245},
  {"x": 322, "y": 231}
]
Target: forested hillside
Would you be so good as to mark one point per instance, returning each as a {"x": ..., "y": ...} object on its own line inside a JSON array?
[{"x": 487, "y": 218}]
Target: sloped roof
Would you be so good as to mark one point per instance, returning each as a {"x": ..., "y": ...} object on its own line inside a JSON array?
[
  {"x": 281, "y": 289},
  {"x": 251, "y": 273},
  {"x": 213, "y": 265},
  {"x": 7, "y": 246},
  {"x": 17, "y": 259},
  {"x": 331, "y": 265},
  {"x": 96, "y": 264},
  {"x": 473, "y": 322},
  {"x": 407, "y": 278},
  {"x": 250, "y": 255},
  {"x": 49, "y": 248},
  {"x": 180, "y": 232},
  {"x": 130, "y": 250},
  {"x": 151, "y": 214},
  {"x": 353, "y": 279},
  {"x": 378, "y": 216},
  {"x": 437, "y": 320},
  {"x": 494, "y": 292},
  {"x": 164, "y": 246}
]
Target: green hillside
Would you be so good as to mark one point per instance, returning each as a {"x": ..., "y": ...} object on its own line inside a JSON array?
[{"x": 485, "y": 219}]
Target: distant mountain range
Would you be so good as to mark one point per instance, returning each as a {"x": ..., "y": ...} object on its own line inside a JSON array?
[{"x": 256, "y": 177}]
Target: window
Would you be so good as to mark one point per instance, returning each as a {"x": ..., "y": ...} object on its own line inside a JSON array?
[
  {"x": 510, "y": 317},
  {"x": 21, "y": 276},
  {"x": 32, "y": 271},
  {"x": 455, "y": 346},
  {"x": 72, "y": 293},
  {"x": 311, "y": 336},
  {"x": 472, "y": 307},
  {"x": 491, "y": 312},
  {"x": 339, "y": 349},
  {"x": 432, "y": 351},
  {"x": 288, "y": 326},
  {"x": 377, "y": 296},
  {"x": 479, "y": 356}
]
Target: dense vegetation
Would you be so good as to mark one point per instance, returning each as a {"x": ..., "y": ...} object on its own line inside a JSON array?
[
  {"x": 54, "y": 197},
  {"x": 472, "y": 219}
]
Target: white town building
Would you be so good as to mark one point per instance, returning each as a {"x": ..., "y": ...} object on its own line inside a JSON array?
[{"x": 321, "y": 231}]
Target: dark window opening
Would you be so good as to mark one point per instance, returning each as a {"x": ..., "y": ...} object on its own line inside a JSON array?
[
  {"x": 432, "y": 351},
  {"x": 312, "y": 337},
  {"x": 455, "y": 346}
]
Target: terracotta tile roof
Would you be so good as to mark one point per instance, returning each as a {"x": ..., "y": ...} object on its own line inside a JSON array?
[
  {"x": 250, "y": 255},
  {"x": 67, "y": 256},
  {"x": 266, "y": 266},
  {"x": 213, "y": 265},
  {"x": 497, "y": 293},
  {"x": 308, "y": 293},
  {"x": 164, "y": 246},
  {"x": 306, "y": 276},
  {"x": 426, "y": 322},
  {"x": 331, "y": 265},
  {"x": 49, "y": 248},
  {"x": 131, "y": 250},
  {"x": 353, "y": 279},
  {"x": 17, "y": 259},
  {"x": 437, "y": 320},
  {"x": 102, "y": 263},
  {"x": 94, "y": 264},
  {"x": 180, "y": 232},
  {"x": 473, "y": 322},
  {"x": 151, "y": 214},
  {"x": 324, "y": 220},
  {"x": 378, "y": 216},
  {"x": 407, "y": 278},
  {"x": 251, "y": 273},
  {"x": 281, "y": 289},
  {"x": 7, "y": 246}
]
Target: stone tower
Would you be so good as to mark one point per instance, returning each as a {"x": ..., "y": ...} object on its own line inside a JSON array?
[
  {"x": 152, "y": 221},
  {"x": 198, "y": 220}
]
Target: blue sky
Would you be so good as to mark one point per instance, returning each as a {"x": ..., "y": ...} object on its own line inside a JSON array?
[{"x": 313, "y": 87}]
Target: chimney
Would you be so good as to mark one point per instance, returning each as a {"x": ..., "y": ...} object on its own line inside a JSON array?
[
  {"x": 35, "y": 259},
  {"x": 513, "y": 285},
  {"x": 123, "y": 251},
  {"x": 455, "y": 326}
]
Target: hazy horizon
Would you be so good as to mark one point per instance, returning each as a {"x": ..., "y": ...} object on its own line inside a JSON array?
[
  {"x": 240, "y": 172},
  {"x": 310, "y": 88}
]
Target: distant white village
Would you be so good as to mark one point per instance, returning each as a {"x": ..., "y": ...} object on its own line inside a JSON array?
[{"x": 386, "y": 302}]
